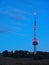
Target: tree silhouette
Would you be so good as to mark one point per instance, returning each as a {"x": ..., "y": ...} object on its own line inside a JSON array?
[
  {"x": 26, "y": 54},
  {"x": 5, "y": 53}
]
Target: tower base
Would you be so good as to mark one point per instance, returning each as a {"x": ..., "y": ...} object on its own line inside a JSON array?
[{"x": 35, "y": 52}]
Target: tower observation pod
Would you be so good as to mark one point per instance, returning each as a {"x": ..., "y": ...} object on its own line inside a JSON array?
[{"x": 35, "y": 42}]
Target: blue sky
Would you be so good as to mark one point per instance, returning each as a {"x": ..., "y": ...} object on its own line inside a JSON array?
[{"x": 16, "y": 24}]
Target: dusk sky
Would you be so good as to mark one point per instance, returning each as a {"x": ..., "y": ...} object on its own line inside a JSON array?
[{"x": 17, "y": 24}]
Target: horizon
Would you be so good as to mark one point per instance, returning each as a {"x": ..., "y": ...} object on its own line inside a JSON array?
[
  {"x": 24, "y": 51},
  {"x": 17, "y": 25}
]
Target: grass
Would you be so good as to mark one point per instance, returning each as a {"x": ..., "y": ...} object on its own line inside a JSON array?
[{"x": 22, "y": 61}]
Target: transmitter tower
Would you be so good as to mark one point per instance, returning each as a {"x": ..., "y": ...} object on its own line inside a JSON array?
[{"x": 35, "y": 42}]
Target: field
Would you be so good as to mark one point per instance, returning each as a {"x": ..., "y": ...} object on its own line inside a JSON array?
[{"x": 22, "y": 61}]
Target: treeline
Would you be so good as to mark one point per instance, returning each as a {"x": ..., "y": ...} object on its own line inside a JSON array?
[
  {"x": 17, "y": 54},
  {"x": 25, "y": 54}
]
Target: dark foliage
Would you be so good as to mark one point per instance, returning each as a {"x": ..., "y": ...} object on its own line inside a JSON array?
[{"x": 26, "y": 54}]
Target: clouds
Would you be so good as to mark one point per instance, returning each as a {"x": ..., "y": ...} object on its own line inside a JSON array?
[
  {"x": 16, "y": 26},
  {"x": 20, "y": 34},
  {"x": 4, "y": 29},
  {"x": 15, "y": 14}
]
